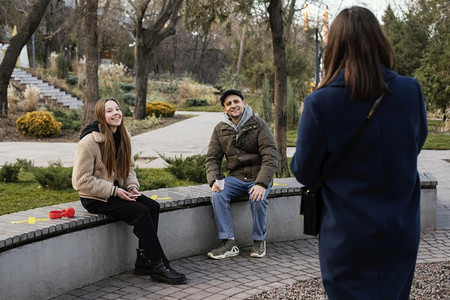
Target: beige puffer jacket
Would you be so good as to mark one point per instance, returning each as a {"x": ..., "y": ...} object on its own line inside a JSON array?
[{"x": 90, "y": 176}]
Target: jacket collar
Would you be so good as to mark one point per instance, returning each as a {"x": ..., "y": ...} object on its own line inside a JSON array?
[{"x": 98, "y": 137}]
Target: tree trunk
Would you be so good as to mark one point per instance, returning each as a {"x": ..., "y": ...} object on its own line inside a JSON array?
[
  {"x": 289, "y": 19},
  {"x": 241, "y": 55},
  {"x": 91, "y": 45},
  {"x": 279, "y": 105},
  {"x": 146, "y": 41},
  {"x": 15, "y": 47},
  {"x": 142, "y": 64}
]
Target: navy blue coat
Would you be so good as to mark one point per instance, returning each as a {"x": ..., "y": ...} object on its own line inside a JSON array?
[{"x": 370, "y": 228}]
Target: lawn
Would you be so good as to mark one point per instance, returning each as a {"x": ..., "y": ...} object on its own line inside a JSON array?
[
  {"x": 438, "y": 138},
  {"x": 28, "y": 194}
]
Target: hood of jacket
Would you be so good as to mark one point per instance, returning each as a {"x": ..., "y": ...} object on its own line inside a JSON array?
[
  {"x": 89, "y": 128},
  {"x": 248, "y": 113}
]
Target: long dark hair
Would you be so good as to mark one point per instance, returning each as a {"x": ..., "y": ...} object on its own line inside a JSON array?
[
  {"x": 121, "y": 167},
  {"x": 356, "y": 43}
]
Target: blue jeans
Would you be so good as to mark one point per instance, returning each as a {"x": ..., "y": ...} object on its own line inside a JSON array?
[{"x": 222, "y": 214}]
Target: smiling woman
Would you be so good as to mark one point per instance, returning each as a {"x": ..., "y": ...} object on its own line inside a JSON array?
[
  {"x": 113, "y": 114},
  {"x": 104, "y": 176}
]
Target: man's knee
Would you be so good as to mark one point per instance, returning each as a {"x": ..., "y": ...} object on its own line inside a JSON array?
[{"x": 219, "y": 198}]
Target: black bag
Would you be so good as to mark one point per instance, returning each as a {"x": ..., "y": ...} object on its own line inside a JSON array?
[
  {"x": 311, "y": 201},
  {"x": 311, "y": 210}
]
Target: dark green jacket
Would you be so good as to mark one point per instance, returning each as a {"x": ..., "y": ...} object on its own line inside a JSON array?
[{"x": 251, "y": 154}]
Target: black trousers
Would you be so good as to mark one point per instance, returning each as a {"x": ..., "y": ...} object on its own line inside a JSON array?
[{"x": 143, "y": 214}]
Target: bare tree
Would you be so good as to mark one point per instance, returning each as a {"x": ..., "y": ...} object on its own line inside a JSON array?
[
  {"x": 153, "y": 23},
  {"x": 14, "y": 49},
  {"x": 91, "y": 44},
  {"x": 280, "y": 99},
  {"x": 241, "y": 55}
]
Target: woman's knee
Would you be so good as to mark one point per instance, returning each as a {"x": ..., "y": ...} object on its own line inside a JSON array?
[{"x": 151, "y": 204}]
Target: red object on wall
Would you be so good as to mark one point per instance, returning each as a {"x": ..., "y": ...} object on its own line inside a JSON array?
[{"x": 56, "y": 214}]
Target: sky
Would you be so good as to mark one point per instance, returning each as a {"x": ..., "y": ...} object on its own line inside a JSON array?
[{"x": 335, "y": 6}]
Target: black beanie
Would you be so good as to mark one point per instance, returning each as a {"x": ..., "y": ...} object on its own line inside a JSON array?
[{"x": 230, "y": 92}]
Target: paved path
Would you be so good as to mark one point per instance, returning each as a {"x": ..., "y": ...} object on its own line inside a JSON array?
[
  {"x": 238, "y": 277},
  {"x": 188, "y": 137}
]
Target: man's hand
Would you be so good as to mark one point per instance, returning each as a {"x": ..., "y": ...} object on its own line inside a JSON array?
[
  {"x": 215, "y": 187},
  {"x": 257, "y": 193}
]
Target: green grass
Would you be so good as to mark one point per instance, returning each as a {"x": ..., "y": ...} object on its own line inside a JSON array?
[
  {"x": 28, "y": 194},
  {"x": 436, "y": 140}
]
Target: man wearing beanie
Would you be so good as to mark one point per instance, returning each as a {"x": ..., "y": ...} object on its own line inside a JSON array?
[{"x": 252, "y": 158}]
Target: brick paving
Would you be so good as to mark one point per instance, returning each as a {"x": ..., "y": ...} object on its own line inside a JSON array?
[
  {"x": 286, "y": 262},
  {"x": 239, "y": 277}
]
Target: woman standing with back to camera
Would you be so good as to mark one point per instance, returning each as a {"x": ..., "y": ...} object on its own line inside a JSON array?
[
  {"x": 370, "y": 230},
  {"x": 103, "y": 174}
]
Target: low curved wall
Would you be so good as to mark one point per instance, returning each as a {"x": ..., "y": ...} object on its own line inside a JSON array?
[{"x": 40, "y": 259}]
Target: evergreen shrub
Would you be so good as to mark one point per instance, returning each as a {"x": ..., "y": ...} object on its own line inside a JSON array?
[
  {"x": 38, "y": 124},
  {"x": 129, "y": 98},
  {"x": 168, "y": 89},
  {"x": 148, "y": 181},
  {"x": 71, "y": 80},
  {"x": 70, "y": 119},
  {"x": 196, "y": 102},
  {"x": 25, "y": 164},
  {"x": 127, "y": 87},
  {"x": 159, "y": 109},
  {"x": 54, "y": 177},
  {"x": 62, "y": 64},
  {"x": 9, "y": 172},
  {"x": 190, "y": 168}
]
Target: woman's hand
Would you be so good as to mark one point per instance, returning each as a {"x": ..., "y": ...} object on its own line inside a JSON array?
[
  {"x": 134, "y": 192},
  {"x": 128, "y": 196}
]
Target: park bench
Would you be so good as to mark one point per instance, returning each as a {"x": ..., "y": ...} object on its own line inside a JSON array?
[{"x": 42, "y": 258}]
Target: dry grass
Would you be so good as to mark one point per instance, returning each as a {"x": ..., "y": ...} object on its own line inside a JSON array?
[{"x": 31, "y": 98}]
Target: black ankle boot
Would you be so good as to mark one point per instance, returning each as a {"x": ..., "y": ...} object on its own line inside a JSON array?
[
  {"x": 167, "y": 265},
  {"x": 143, "y": 265},
  {"x": 163, "y": 274}
]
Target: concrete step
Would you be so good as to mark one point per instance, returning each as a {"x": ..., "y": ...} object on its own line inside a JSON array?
[{"x": 47, "y": 90}]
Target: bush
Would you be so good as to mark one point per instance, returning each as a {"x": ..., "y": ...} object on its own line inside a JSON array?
[
  {"x": 10, "y": 172},
  {"x": 159, "y": 109},
  {"x": 38, "y": 124},
  {"x": 126, "y": 87},
  {"x": 70, "y": 119},
  {"x": 149, "y": 181},
  {"x": 25, "y": 164},
  {"x": 55, "y": 176},
  {"x": 293, "y": 115},
  {"x": 196, "y": 102},
  {"x": 62, "y": 64},
  {"x": 190, "y": 168},
  {"x": 129, "y": 98},
  {"x": 72, "y": 80},
  {"x": 168, "y": 89}
]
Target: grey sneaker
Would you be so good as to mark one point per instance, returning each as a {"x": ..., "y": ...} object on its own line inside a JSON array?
[
  {"x": 259, "y": 249},
  {"x": 227, "y": 248}
]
